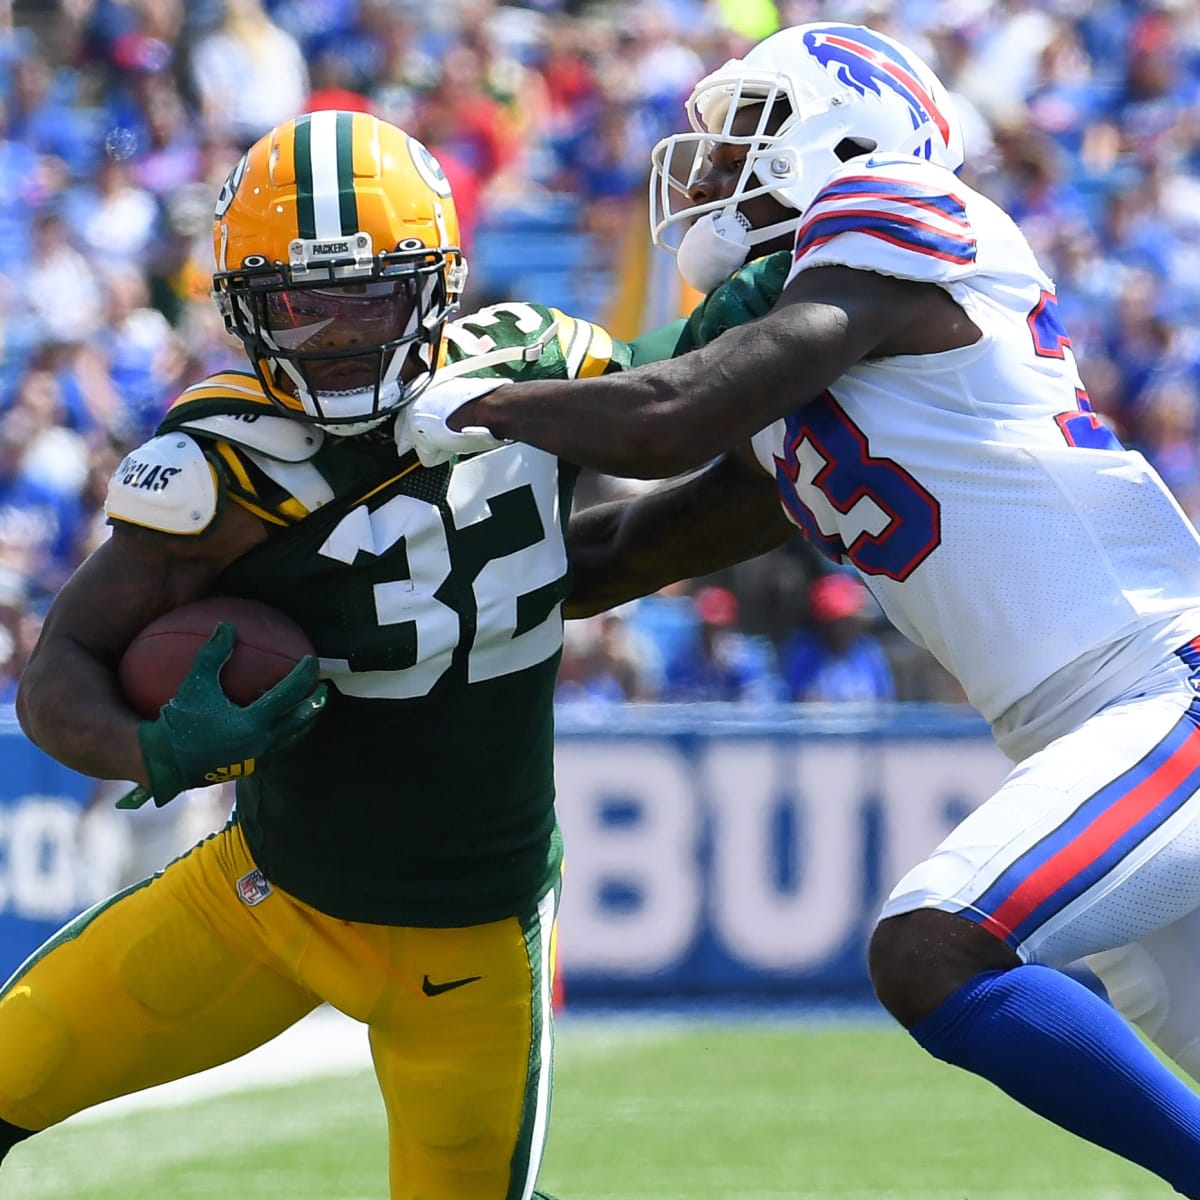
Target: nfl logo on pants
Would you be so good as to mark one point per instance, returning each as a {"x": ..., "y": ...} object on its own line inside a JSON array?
[{"x": 253, "y": 888}]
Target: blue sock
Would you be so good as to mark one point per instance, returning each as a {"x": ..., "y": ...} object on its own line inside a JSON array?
[{"x": 1063, "y": 1052}]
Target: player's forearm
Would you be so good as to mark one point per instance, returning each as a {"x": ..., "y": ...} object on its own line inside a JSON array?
[
  {"x": 602, "y": 574},
  {"x": 660, "y": 344},
  {"x": 653, "y": 422},
  {"x": 665, "y": 418},
  {"x": 688, "y": 528},
  {"x": 70, "y": 706}
]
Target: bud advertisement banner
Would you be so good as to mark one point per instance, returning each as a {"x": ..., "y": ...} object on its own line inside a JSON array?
[{"x": 710, "y": 853}]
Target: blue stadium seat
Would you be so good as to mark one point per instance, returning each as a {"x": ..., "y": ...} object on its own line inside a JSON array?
[{"x": 533, "y": 250}]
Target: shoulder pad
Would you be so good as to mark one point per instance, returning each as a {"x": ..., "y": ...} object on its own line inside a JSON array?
[
  {"x": 165, "y": 484},
  {"x": 511, "y": 332},
  {"x": 901, "y": 217},
  {"x": 275, "y": 437},
  {"x": 226, "y": 392},
  {"x": 509, "y": 322}
]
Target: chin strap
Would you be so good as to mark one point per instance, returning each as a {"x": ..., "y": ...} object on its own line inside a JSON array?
[{"x": 717, "y": 244}]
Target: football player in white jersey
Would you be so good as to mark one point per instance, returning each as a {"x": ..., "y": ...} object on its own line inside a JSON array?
[{"x": 912, "y": 403}]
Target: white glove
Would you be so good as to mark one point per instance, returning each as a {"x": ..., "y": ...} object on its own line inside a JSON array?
[{"x": 434, "y": 441}]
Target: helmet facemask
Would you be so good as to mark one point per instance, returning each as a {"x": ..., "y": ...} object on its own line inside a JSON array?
[
  {"x": 681, "y": 160},
  {"x": 352, "y": 335}
]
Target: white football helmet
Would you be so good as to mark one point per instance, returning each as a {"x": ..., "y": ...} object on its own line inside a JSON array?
[{"x": 849, "y": 91}]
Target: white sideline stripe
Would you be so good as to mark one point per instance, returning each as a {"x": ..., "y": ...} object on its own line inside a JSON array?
[{"x": 325, "y": 1043}]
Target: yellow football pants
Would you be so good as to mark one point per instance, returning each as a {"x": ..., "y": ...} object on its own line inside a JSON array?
[{"x": 207, "y": 960}]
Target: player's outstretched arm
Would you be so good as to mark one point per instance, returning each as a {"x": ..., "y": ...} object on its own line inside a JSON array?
[
  {"x": 722, "y": 515},
  {"x": 665, "y": 418},
  {"x": 69, "y": 702},
  {"x": 749, "y": 293}
]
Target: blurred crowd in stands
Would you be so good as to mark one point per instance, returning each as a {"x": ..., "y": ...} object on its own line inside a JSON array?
[{"x": 119, "y": 119}]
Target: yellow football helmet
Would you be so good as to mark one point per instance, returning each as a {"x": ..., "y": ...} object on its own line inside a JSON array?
[{"x": 338, "y": 264}]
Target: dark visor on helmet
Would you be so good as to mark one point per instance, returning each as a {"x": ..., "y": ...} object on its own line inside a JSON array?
[{"x": 371, "y": 313}]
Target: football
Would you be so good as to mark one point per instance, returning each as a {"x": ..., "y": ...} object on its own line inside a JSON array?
[{"x": 269, "y": 643}]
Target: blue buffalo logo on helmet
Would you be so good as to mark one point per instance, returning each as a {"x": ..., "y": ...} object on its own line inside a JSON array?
[{"x": 868, "y": 63}]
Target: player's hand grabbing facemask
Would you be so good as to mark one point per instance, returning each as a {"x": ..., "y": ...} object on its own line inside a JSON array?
[
  {"x": 746, "y": 295},
  {"x": 202, "y": 737},
  {"x": 426, "y": 429}
]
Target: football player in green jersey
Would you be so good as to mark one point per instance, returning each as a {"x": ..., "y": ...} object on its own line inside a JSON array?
[{"x": 395, "y": 853}]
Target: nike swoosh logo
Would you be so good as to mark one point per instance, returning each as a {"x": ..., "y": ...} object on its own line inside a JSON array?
[{"x": 436, "y": 989}]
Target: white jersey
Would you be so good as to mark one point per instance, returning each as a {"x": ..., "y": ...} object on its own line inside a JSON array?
[{"x": 996, "y": 520}]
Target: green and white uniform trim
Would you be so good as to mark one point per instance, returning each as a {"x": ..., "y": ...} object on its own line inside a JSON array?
[
  {"x": 535, "y": 1119},
  {"x": 326, "y": 206}
]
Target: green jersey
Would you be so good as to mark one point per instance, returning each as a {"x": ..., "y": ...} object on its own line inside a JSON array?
[{"x": 424, "y": 795}]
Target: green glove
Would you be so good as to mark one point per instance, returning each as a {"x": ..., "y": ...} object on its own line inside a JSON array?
[
  {"x": 202, "y": 737},
  {"x": 749, "y": 293}
]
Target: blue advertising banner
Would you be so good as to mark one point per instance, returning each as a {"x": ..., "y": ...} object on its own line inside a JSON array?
[
  {"x": 711, "y": 852},
  {"x": 46, "y": 875},
  {"x": 719, "y": 854}
]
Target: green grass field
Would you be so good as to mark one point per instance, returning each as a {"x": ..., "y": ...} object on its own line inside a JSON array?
[{"x": 659, "y": 1111}]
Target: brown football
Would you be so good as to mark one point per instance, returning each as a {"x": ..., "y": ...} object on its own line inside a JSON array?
[{"x": 268, "y": 644}]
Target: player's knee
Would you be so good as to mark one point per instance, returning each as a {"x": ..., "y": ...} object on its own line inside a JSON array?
[
  {"x": 35, "y": 1047},
  {"x": 1136, "y": 986},
  {"x": 918, "y": 959},
  {"x": 896, "y": 963}
]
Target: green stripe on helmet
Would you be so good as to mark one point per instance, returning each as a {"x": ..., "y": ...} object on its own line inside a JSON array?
[
  {"x": 347, "y": 200},
  {"x": 306, "y": 217}
]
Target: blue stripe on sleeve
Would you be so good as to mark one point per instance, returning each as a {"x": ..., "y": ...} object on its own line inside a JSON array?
[
  {"x": 892, "y": 189},
  {"x": 912, "y": 220},
  {"x": 907, "y": 232}
]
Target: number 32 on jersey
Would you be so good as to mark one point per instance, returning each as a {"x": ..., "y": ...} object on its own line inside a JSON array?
[{"x": 507, "y": 501}]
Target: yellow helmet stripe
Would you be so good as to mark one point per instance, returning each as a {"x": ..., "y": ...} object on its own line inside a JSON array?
[{"x": 326, "y": 204}]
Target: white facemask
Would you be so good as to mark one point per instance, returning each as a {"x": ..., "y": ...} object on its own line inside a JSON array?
[{"x": 712, "y": 249}]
